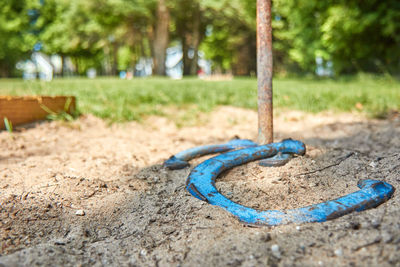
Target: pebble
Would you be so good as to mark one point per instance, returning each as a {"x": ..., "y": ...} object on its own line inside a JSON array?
[
  {"x": 302, "y": 249},
  {"x": 265, "y": 237},
  {"x": 276, "y": 251},
  {"x": 363, "y": 250},
  {"x": 373, "y": 164},
  {"x": 387, "y": 237},
  {"x": 80, "y": 213},
  {"x": 375, "y": 223},
  {"x": 339, "y": 252}
]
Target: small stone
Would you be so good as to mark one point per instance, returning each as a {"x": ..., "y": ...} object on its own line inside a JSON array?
[
  {"x": 265, "y": 237},
  {"x": 298, "y": 228},
  {"x": 339, "y": 252},
  {"x": 80, "y": 213},
  {"x": 59, "y": 243},
  {"x": 276, "y": 251},
  {"x": 132, "y": 262},
  {"x": 375, "y": 223},
  {"x": 363, "y": 250},
  {"x": 373, "y": 164},
  {"x": 143, "y": 252},
  {"x": 302, "y": 249},
  {"x": 387, "y": 237}
]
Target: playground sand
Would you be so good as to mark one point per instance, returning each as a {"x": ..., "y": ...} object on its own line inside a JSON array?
[{"x": 86, "y": 194}]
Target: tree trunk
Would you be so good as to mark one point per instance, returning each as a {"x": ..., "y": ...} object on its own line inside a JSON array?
[
  {"x": 161, "y": 38},
  {"x": 114, "y": 68},
  {"x": 4, "y": 70},
  {"x": 62, "y": 65},
  {"x": 195, "y": 41},
  {"x": 246, "y": 58},
  {"x": 185, "y": 52},
  {"x": 77, "y": 65}
]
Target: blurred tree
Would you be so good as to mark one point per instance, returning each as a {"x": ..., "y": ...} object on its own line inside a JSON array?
[
  {"x": 363, "y": 35},
  {"x": 137, "y": 27},
  {"x": 354, "y": 35},
  {"x": 17, "y": 38},
  {"x": 230, "y": 40},
  {"x": 189, "y": 23},
  {"x": 161, "y": 37},
  {"x": 97, "y": 29},
  {"x": 297, "y": 34},
  {"x": 69, "y": 28}
]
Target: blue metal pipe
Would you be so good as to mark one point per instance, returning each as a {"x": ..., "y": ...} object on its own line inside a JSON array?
[{"x": 201, "y": 184}]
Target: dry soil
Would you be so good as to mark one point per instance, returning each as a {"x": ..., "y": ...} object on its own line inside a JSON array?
[{"x": 90, "y": 194}]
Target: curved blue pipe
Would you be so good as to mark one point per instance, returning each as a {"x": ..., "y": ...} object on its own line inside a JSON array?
[{"x": 201, "y": 184}]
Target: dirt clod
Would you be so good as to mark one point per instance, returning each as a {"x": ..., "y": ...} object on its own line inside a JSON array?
[{"x": 80, "y": 213}]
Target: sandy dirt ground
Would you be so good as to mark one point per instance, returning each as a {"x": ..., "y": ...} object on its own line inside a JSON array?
[{"x": 89, "y": 194}]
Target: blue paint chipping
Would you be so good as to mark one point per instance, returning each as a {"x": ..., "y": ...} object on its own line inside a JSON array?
[
  {"x": 201, "y": 184},
  {"x": 180, "y": 160}
]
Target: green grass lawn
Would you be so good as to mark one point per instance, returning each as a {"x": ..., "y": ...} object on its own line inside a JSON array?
[{"x": 121, "y": 100}]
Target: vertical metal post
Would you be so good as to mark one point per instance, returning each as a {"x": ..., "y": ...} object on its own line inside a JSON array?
[{"x": 264, "y": 72}]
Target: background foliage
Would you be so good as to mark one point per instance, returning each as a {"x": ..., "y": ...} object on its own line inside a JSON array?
[{"x": 111, "y": 35}]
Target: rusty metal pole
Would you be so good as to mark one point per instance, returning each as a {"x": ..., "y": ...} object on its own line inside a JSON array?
[{"x": 264, "y": 72}]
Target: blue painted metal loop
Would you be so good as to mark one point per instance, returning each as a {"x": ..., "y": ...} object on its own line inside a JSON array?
[
  {"x": 180, "y": 160},
  {"x": 201, "y": 184}
]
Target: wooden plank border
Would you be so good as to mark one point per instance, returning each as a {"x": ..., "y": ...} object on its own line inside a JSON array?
[{"x": 25, "y": 109}]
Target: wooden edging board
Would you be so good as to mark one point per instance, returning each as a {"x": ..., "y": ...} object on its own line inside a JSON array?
[{"x": 25, "y": 109}]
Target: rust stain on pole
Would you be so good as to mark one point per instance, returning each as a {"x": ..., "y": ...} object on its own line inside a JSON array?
[{"x": 264, "y": 72}]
